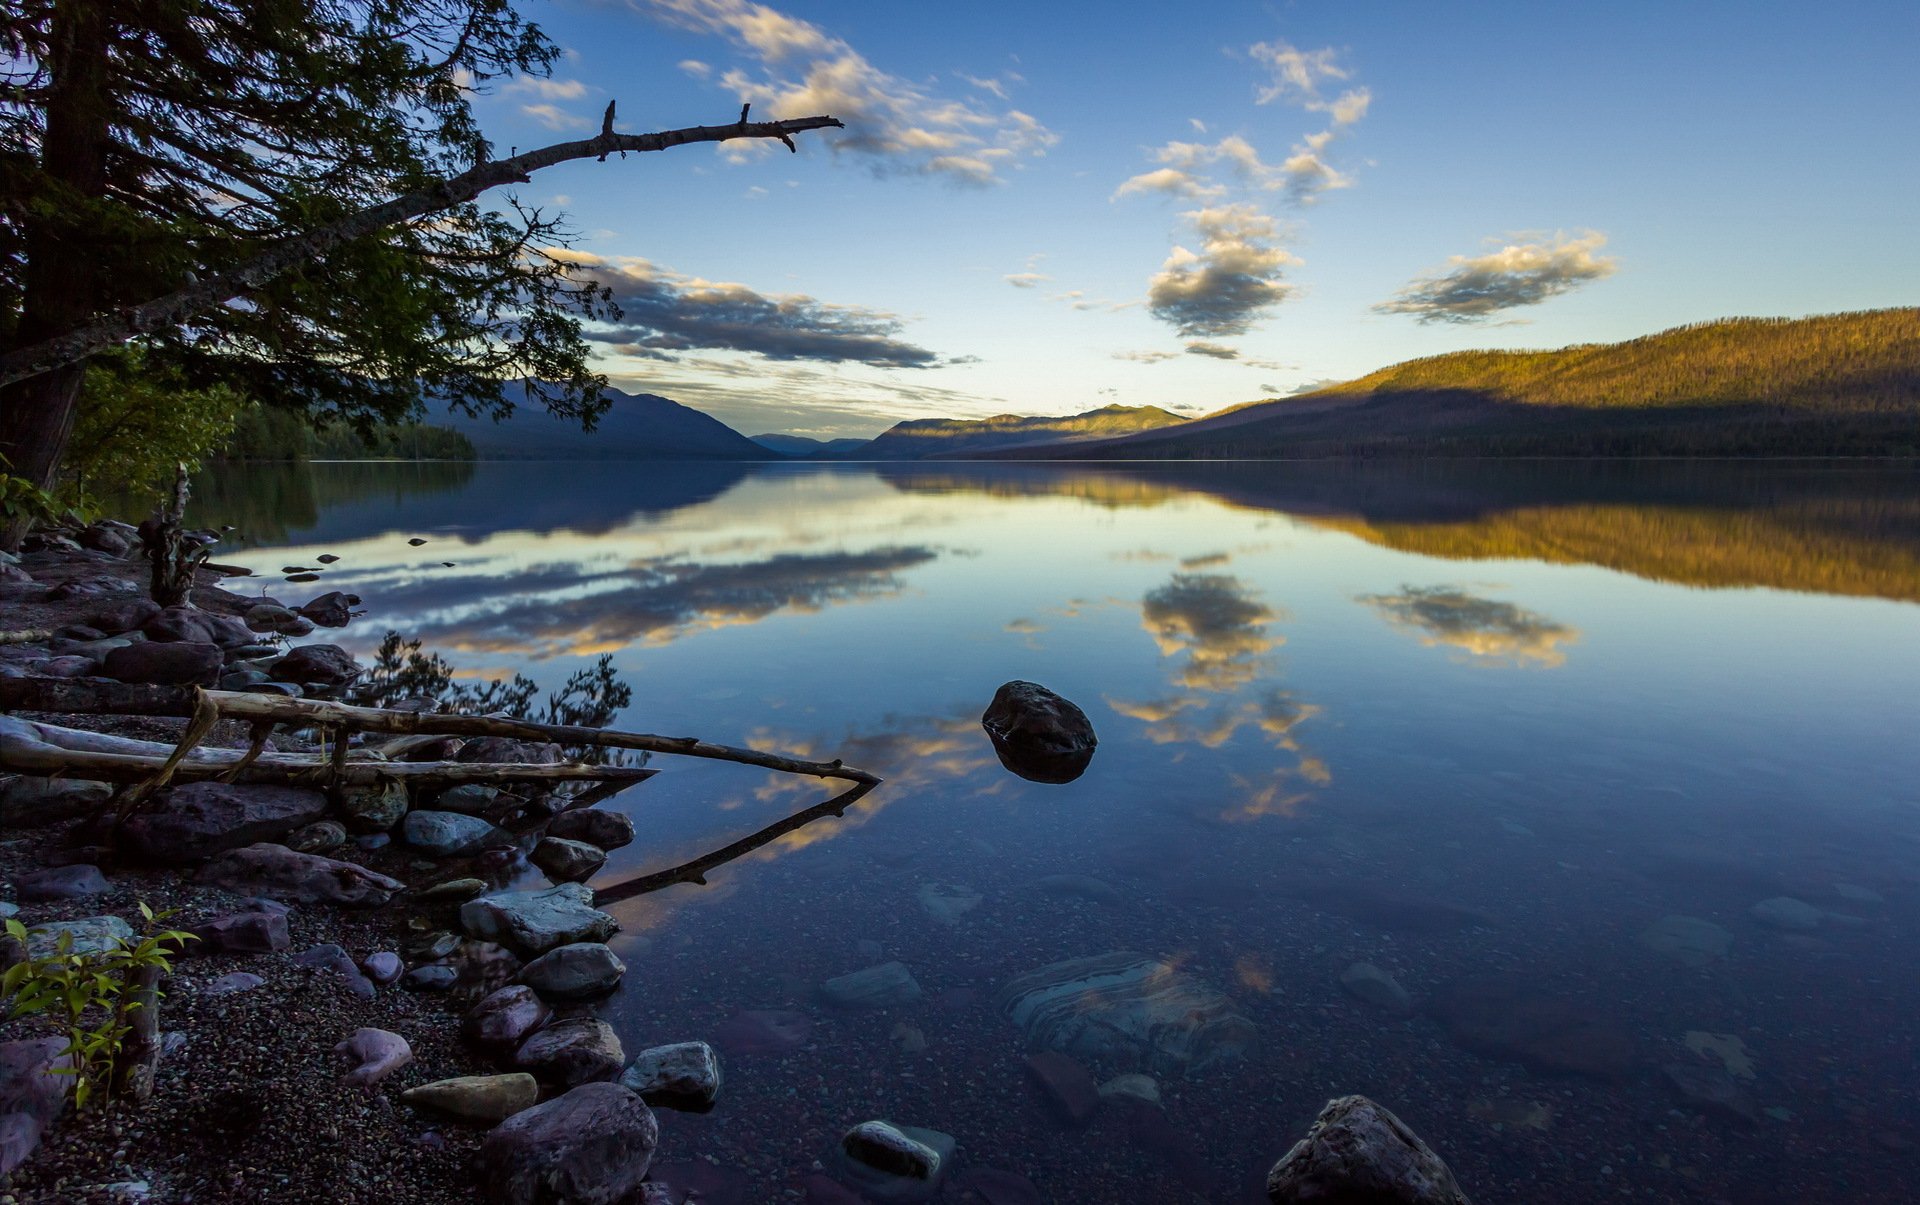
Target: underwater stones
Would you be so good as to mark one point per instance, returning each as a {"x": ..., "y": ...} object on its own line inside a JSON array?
[
  {"x": 606, "y": 830},
  {"x": 1710, "y": 1090},
  {"x": 591, "y": 1146},
  {"x": 684, "y": 1075},
  {"x": 1509, "y": 1017},
  {"x": 485, "y": 1098},
  {"x": 1079, "y": 886},
  {"x": 1068, "y": 1088},
  {"x": 1687, "y": 940},
  {"x": 947, "y": 903},
  {"x": 1786, "y": 913},
  {"x": 882, "y": 986},
  {"x": 1357, "y": 1151},
  {"x": 1037, "y": 734},
  {"x": 566, "y": 861},
  {"x": 1127, "y": 1008},
  {"x": 1364, "y": 981},
  {"x": 533, "y": 922},
  {"x": 1132, "y": 1087},
  {"x": 763, "y": 1031},
  {"x": 893, "y": 1163}
]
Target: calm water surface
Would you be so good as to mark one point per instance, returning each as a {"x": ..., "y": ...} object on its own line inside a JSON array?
[{"x": 1486, "y": 727}]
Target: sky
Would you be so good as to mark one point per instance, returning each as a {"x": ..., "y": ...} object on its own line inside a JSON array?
[{"x": 1047, "y": 208}]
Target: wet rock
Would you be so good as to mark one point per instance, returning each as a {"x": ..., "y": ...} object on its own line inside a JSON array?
[
  {"x": 763, "y": 1031},
  {"x": 1037, "y": 734},
  {"x": 1787, "y": 913},
  {"x": 232, "y": 984},
  {"x": 883, "y": 986},
  {"x": 30, "y": 801},
  {"x": 322, "y": 836},
  {"x": 249, "y": 932},
  {"x": 1357, "y": 1152},
  {"x": 434, "y": 977},
  {"x": 183, "y": 664},
  {"x": 1127, "y": 1008},
  {"x": 533, "y": 922},
  {"x": 453, "y": 891},
  {"x": 1688, "y": 940},
  {"x": 331, "y": 960},
  {"x": 1710, "y": 1090},
  {"x": 201, "y": 819},
  {"x": 376, "y": 807},
  {"x": 277, "y": 871},
  {"x": 591, "y": 1146},
  {"x": 1509, "y": 1017},
  {"x": 505, "y": 1018},
  {"x": 893, "y": 1163},
  {"x": 383, "y": 967},
  {"x": 946, "y": 902},
  {"x": 1067, "y": 1086},
  {"x": 333, "y": 609},
  {"x": 1082, "y": 886},
  {"x": 581, "y": 971},
  {"x": 74, "y": 882},
  {"x": 35, "y": 1082},
  {"x": 603, "y": 829},
  {"x": 483, "y": 1098},
  {"x": 684, "y": 1075},
  {"x": 194, "y": 626},
  {"x": 470, "y": 799},
  {"x": 575, "y": 1050},
  {"x": 126, "y": 616},
  {"x": 485, "y": 966},
  {"x": 566, "y": 861},
  {"x": 67, "y": 667},
  {"x": 449, "y": 834},
  {"x": 373, "y": 1055},
  {"x": 317, "y": 665},
  {"x": 88, "y": 935},
  {"x": 1364, "y": 981},
  {"x": 506, "y": 749},
  {"x": 267, "y": 617},
  {"x": 1132, "y": 1088}
]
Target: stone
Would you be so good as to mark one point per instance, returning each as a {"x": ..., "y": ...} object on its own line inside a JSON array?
[
  {"x": 1364, "y": 981},
  {"x": 1358, "y": 1151},
  {"x": 505, "y": 1018},
  {"x": 893, "y": 1163},
  {"x": 275, "y": 870},
  {"x": 453, "y": 891},
  {"x": 332, "y": 960},
  {"x": 1510, "y": 1017},
  {"x": 607, "y": 830},
  {"x": 580, "y": 971},
  {"x": 485, "y": 1098},
  {"x": 947, "y": 903},
  {"x": 68, "y": 667},
  {"x": 506, "y": 749},
  {"x": 1037, "y": 734},
  {"x": 1129, "y": 1009},
  {"x": 1085, "y": 887},
  {"x": 105, "y": 539},
  {"x": 30, "y": 801},
  {"x": 129, "y": 615},
  {"x": 331, "y": 610},
  {"x": 88, "y": 935},
  {"x": 189, "y": 663},
  {"x": 469, "y": 799},
  {"x": 591, "y": 1146},
  {"x": 267, "y": 617},
  {"x": 1710, "y": 1090},
  {"x": 373, "y": 1055},
  {"x": 763, "y": 1031},
  {"x": 232, "y": 984},
  {"x": 1785, "y": 912},
  {"x": 995, "y": 1186},
  {"x": 383, "y": 967},
  {"x": 74, "y": 882},
  {"x": 1132, "y": 1088},
  {"x": 1688, "y": 940},
  {"x": 434, "y": 977},
  {"x": 572, "y": 1051},
  {"x": 200, "y": 819},
  {"x": 250, "y": 932},
  {"x": 533, "y": 922},
  {"x": 684, "y": 1075},
  {"x": 35, "y": 1082},
  {"x": 194, "y": 626},
  {"x": 376, "y": 807},
  {"x": 317, "y": 665},
  {"x": 485, "y": 966},
  {"x": 1067, "y": 1087},
  {"x": 566, "y": 861},
  {"x": 449, "y": 834},
  {"x": 883, "y": 986},
  {"x": 1853, "y": 893},
  {"x": 322, "y": 836}
]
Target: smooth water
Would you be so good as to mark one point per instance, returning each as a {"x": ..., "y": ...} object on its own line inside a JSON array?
[{"x": 1482, "y": 725}]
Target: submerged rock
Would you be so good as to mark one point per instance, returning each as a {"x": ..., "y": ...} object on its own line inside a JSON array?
[
  {"x": 1130, "y": 1009},
  {"x": 947, "y": 902},
  {"x": 1364, "y": 981},
  {"x": 883, "y": 986},
  {"x": 1037, "y": 734},
  {"x": 893, "y": 1163},
  {"x": 763, "y": 1031},
  {"x": 1688, "y": 940},
  {"x": 591, "y": 1146},
  {"x": 1710, "y": 1090},
  {"x": 1785, "y": 912},
  {"x": 1359, "y": 1152},
  {"x": 1067, "y": 1086},
  {"x": 1511, "y": 1017},
  {"x": 684, "y": 1075}
]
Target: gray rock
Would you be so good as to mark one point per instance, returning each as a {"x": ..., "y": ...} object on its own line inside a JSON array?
[
  {"x": 322, "y": 836},
  {"x": 375, "y": 808},
  {"x": 453, "y": 891},
  {"x": 506, "y": 749},
  {"x": 484, "y": 1098},
  {"x": 184, "y": 664},
  {"x": 249, "y": 932},
  {"x": 505, "y": 1018},
  {"x": 606, "y": 830},
  {"x": 267, "y": 617},
  {"x": 470, "y": 799},
  {"x": 580, "y": 971},
  {"x": 88, "y": 935},
  {"x": 200, "y": 819},
  {"x": 331, "y": 610},
  {"x": 566, "y": 861},
  {"x": 883, "y": 986},
  {"x": 591, "y": 1146},
  {"x": 449, "y": 834},
  {"x": 317, "y": 665},
  {"x": 947, "y": 902},
  {"x": 30, "y": 801},
  {"x": 1129, "y": 1009},
  {"x": 35, "y": 1082},
  {"x": 1358, "y": 1151},
  {"x": 1785, "y": 912},
  {"x": 893, "y": 1163},
  {"x": 434, "y": 977},
  {"x": 1710, "y": 1090},
  {"x": 1364, "y": 981},
  {"x": 532, "y": 922},
  {"x": 1132, "y": 1087},
  {"x": 74, "y": 882},
  {"x": 684, "y": 1075},
  {"x": 373, "y": 1055},
  {"x": 277, "y": 871},
  {"x": 576, "y": 1050},
  {"x": 1688, "y": 940},
  {"x": 193, "y": 626},
  {"x": 330, "y": 959},
  {"x": 1037, "y": 734},
  {"x": 127, "y": 616},
  {"x": 232, "y": 984},
  {"x": 383, "y": 967}
]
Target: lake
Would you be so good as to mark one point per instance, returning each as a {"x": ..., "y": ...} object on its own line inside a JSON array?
[{"x": 1609, "y": 773}]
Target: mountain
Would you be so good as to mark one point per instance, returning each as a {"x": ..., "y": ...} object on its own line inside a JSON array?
[
  {"x": 927, "y": 437},
  {"x": 801, "y": 446},
  {"x": 1835, "y": 385},
  {"x": 637, "y": 426}
]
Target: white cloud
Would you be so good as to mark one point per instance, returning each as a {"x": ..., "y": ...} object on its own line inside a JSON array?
[
  {"x": 1169, "y": 180},
  {"x": 1474, "y": 288},
  {"x": 1230, "y": 283},
  {"x": 555, "y": 118},
  {"x": 696, "y": 68},
  {"x": 546, "y": 89},
  {"x": 1297, "y": 74},
  {"x": 1146, "y": 357}
]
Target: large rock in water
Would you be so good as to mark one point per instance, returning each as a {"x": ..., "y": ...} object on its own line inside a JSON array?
[
  {"x": 533, "y": 922},
  {"x": 1357, "y": 1152},
  {"x": 1039, "y": 735},
  {"x": 591, "y": 1146},
  {"x": 1128, "y": 1009},
  {"x": 278, "y": 872},
  {"x": 201, "y": 819}
]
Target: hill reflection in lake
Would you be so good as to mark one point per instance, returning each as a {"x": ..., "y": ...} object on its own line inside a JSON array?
[{"x": 1500, "y": 730}]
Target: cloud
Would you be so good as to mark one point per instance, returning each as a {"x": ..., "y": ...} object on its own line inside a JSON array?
[
  {"x": 1214, "y": 351},
  {"x": 1477, "y": 287},
  {"x": 555, "y": 118},
  {"x": 1170, "y": 181},
  {"x": 1146, "y": 357},
  {"x": 1489, "y": 632},
  {"x": 696, "y": 68},
  {"x": 1297, "y": 74},
  {"x": 546, "y": 89},
  {"x": 663, "y": 311},
  {"x": 1231, "y": 282},
  {"x": 898, "y": 125},
  {"x": 1028, "y": 277},
  {"x": 1311, "y": 386}
]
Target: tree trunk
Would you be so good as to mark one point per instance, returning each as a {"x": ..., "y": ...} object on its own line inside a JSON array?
[{"x": 62, "y": 286}]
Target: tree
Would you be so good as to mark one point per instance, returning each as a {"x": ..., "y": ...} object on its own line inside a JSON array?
[{"x": 318, "y": 161}]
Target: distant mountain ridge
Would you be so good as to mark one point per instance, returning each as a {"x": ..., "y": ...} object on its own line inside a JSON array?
[
  {"x": 803, "y": 447},
  {"x": 636, "y": 426},
  {"x": 931, "y": 437}
]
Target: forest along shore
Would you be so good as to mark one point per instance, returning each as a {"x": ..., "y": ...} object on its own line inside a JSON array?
[{"x": 349, "y": 1023}]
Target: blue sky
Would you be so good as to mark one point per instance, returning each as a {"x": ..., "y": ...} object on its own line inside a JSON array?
[{"x": 1043, "y": 208}]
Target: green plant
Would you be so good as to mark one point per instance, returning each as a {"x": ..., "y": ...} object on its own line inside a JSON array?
[
  {"x": 90, "y": 991},
  {"x": 25, "y": 505}
]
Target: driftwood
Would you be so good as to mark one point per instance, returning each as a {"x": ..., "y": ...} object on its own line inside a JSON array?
[
  {"x": 172, "y": 557},
  {"x": 139, "y": 1062},
  {"x": 94, "y": 698}
]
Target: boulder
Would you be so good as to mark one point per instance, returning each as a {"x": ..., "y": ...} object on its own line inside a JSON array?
[
  {"x": 580, "y": 971},
  {"x": 1688, "y": 940},
  {"x": 375, "y": 807},
  {"x": 331, "y": 610},
  {"x": 893, "y": 1163},
  {"x": 533, "y": 922},
  {"x": 194, "y": 626},
  {"x": 188, "y": 663},
  {"x": 881, "y": 986},
  {"x": 277, "y": 871},
  {"x": 1358, "y": 1151},
  {"x": 317, "y": 665},
  {"x": 469, "y": 799},
  {"x": 129, "y": 615},
  {"x": 1710, "y": 1090},
  {"x": 74, "y": 882},
  {"x": 88, "y": 935},
  {"x": 1129, "y": 1009},
  {"x": 485, "y": 1098},
  {"x": 607, "y": 830},
  {"x": 373, "y": 1055},
  {"x": 1037, "y": 734},
  {"x": 101, "y": 538},
  {"x": 1364, "y": 981},
  {"x": 684, "y": 1075},
  {"x": 505, "y": 1018},
  {"x": 250, "y": 932},
  {"x": 201, "y": 819},
  {"x": 449, "y": 834},
  {"x": 29, "y": 801},
  {"x": 322, "y": 836},
  {"x": 1068, "y": 1087},
  {"x": 267, "y": 617},
  {"x": 591, "y": 1146},
  {"x": 576, "y": 1050},
  {"x": 566, "y": 861},
  {"x": 35, "y": 1082}
]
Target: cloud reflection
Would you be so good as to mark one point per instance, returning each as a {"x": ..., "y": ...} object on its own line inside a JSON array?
[
  {"x": 1487, "y": 631},
  {"x": 1217, "y": 622}
]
